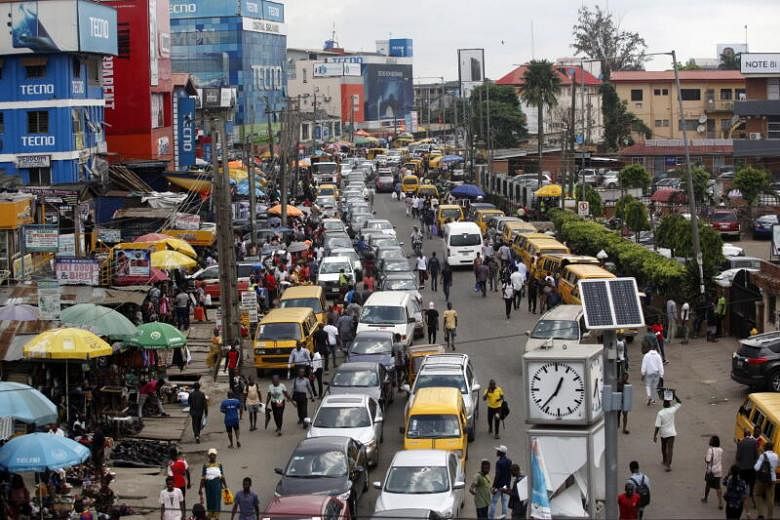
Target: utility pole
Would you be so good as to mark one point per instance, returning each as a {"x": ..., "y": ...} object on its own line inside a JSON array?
[
  {"x": 283, "y": 166},
  {"x": 252, "y": 193},
  {"x": 488, "y": 127},
  {"x": 573, "y": 136}
]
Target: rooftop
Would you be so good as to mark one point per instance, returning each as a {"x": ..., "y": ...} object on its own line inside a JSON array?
[
  {"x": 581, "y": 76},
  {"x": 668, "y": 75},
  {"x": 676, "y": 147}
]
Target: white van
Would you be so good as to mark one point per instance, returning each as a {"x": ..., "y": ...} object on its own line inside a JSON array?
[
  {"x": 393, "y": 311},
  {"x": 462, "y": 240}
]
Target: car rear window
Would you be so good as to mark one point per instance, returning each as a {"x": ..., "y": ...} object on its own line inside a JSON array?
[
  {"x": 724, "y": 217},
  {"x": 749, "y": 351}
]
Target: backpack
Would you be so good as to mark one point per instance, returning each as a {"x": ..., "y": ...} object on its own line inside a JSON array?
[
  {"x": 504, "y": 409},
  {"x": 734, "y": 493},
  {"x": 764, "y": 473},
  {"x": 643, "y": 491}
]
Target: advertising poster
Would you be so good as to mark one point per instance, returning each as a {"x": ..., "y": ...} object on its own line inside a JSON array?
[
  {"x": 389, "y": 91},
  {"x": 97, "y": 28},
  {"x": 273, "y": 11},
  {"x": 77, "y": 271},
  {"x": 40, "y": 238},
  {"x": 154, "y": 64},
  {"x": 185, "y": 129},
  {"x": 471, "y": 69},
  {"x": 132, "y": 262},
  {"x": 49, "y": 302}
]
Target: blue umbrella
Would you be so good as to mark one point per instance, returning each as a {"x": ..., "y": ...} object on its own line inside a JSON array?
[
  {"x": 471, "y": 191},
  {"x": 242, "y": 188},
  {"x": 38, "y": 452},
  {"x": 26, "y": 404},
  {"x": 452, "y": 158}
]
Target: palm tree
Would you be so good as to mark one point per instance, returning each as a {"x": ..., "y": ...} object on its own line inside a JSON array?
[{"x": 540, "y": 88}]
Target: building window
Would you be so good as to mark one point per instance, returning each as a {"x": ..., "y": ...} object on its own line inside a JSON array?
[
  {"x": 76, "y": 67},
  {"x": 661, "y": 92},
  {"x": 157, "y": 110},
  {"x": 636, "y": 95},
  {"x": 773, "y": 88},
  {"x": 38, "y": 122},
  {"x": 690, "y": 124},
  {"x": 661, "y": 123},
  {"x": 740, "y": 94},
  {"x": 35, "y": 71},
  {"x": 690, "y": 94},
  {"x": 725, "y": 125},
  {"x": 40, "y": 176},
  {"x": 773, "y": 127},
  {"x": 726, "y": 94}
]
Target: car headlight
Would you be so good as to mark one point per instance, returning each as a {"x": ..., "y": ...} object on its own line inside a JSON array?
[{"x": 259, "y": 351}]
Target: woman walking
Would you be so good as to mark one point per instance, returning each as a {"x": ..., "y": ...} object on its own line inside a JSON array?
[
  {"x": 275, "y": 398},
  {"x": 253, "y": 400},
  {"x": 713, "y": 463},
  {"x": 212, "y": 481}
]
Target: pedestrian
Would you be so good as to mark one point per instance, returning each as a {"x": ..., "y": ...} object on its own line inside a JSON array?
[
  {"x": 434, "y": 267},
  {"x": 746, "y": 457},
  {"x": 652, "y": 371},
  {"x": 199, "y": 410},
  {"x": 685, "y": 318},
  {"x": 276, "y": 396},
  {"x": 658, "y": 329},
  {"x": 446, "y": 280},
  {"x": 517, "y": 506},
  {"x": 346, "y": 328},
  {"x": 712, "y": 323},
  {"x": 179, "y": 471},
  {"x": 553, "y": 298},
  {"x": 302, "y": 388},
  {"x": 622, "y": 355},
  {"x": 641, "y": 486},
  {"x": 713, "y": 469},
  {"x": 422, "y": 269},
  {"x": 621, "y": 384},
  {"x": 230, "y": 407},
  {"x": 628, "y": 503},
  {"x": 766, "y": 475},
  {"x": 533, "y": 287},
  {"x": 238, "y": 388},
  {"x": 333, "y": 341},
  {"x": 150, "y": 392},
  {"x": 316, "y": 368},
  {"x": 664, "y": 427},
  {"x": 492, "y": 264},
  {"x": 517, "y": 279},
  {"x": 212, "y": 481},
  {"x": 494, "y": 395},
  {"x": 480, "y": 488},
  {"x": 171, "y": 502},
  {"x": 233, "y": 361},
  {"x": 736, "y": 495},
  {"x": 508, "y": 293},
  {"x": 182, "y": 304},
  {"x": 720, "y": 314},
  {"x": 254, "y": 399},
  {"x": 475, "y": 267},
  {"x": 449, "y": 324},
  {"x": 246, "y": 503},
  {"x": 432, "y": 322},
  {"x": 501, "y": 482},
  {"x": 483, "y": 274},
  {"x": 300, "y": 358},
  {"x": 671, "y": 319}
]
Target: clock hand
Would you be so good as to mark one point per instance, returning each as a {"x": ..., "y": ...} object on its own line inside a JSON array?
[{"x": 557, "y": 389}]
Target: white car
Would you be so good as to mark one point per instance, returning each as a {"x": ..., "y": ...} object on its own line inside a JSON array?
[
  {"x": 385, "y": 226},
  {"x": 331, "y": 225},
  {"x": 563, "y": 326},
  {"x": 423, "y": 479},
  {"x": 350, "y": 415},
  {"x": 352, "y": 255},
  {"x": 329, "y": 271}
]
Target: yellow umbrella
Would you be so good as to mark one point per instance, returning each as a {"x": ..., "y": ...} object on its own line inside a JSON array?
[
  {"x": 551, "y": 190},
  {"x": 166, "y": 241},
  {"x": 167, "y": 260},
  {"x": 66, "y": 343},
  {"x": 292, "y": 211}
]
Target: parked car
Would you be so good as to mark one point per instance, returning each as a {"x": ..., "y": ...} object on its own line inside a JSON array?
[
  {"x": 335, "y": 466},
  {"x": 306, "y": 506},
  {"x": 610, "y": 180},
  {"x": 394, "y": 265},
  {"x": 373, "y": 346},
  {"x": 425, "y": 479},
  {"x": 329, "y": 271},
  {"x": 208, "y": 278},
  {"x": 726, "y": 222},
  {"x": 385, "y": 226},
  {"x": 368, "y": 378},
  {"x": 357, "y": 416},
  {"x": 762, "y": 226},
  {"x": 403, "y": 281},
  {"x": 757, "y": 361}
]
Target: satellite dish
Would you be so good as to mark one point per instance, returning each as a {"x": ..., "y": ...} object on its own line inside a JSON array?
[
  {"x": 701, "y": 129},
  {"x": 702, "y": 119}
]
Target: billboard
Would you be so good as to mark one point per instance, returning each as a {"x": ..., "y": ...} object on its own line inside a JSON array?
[
  {"x": 97, "y": 28},
  {"x": 185, "y": 132},
  {"x": 760, "y": 63},
  {"x": 77, "y": 271},
  {"x": 40, "y": 238},
  {"x": 471, "y": 69},
  {"x": 401, "y": 47},
  {"x": 132, "y": 262},
  {"x": 273, "y": 11},
  {"x": 389, "y": 92},
  {"x": 323, "y": 69}
]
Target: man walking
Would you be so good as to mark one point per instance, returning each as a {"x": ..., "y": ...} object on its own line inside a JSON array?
[
  {"x": 671, "y": 320},
  {"x": 720, "y": 314},
  {"x": 664, "y": 426},
  {"x": 300, "y": 358},
  {"x": 275, "y": 398},
  {"x": 246, "y": 502},
  {"x": 766, "y": 475},
  {"x": 346, "y": 329},
  {"x": 199, "y": 409},
  {"x": 316, "y": 368},
  {"x": 480, "y": 488},
  {"x": 501, "y": 482},
  {"x": 517, "y": 506},
  {"x": 333, "y": 341},
  {"x": 652, "y": 371},
  {"x": 685, "y": 317},
  {"x": 641, "y": 484},
  {"x": 449, "y": 323},
  {"x": 181, "y": 303},
  {"x": 179, "y": 471},
  {"x": 434, "y": 267},
  {"x": 446, "y": 280},
  {"x": 301, "y": 389},
  {"x": 532, "y": 294},
  {"x": 746, "y": 457},
  {"x": 230, "y": 407},
  {"x": 171, "y": 502},
  {"x": 628, "y": 503},
  {"x": 517, "y": 279},
  {"x": 483, "y": 273},
  {"x": 508, "y": 293},
  {"x": 432, "y": 322},
  {"x": 422, "y": 269}
]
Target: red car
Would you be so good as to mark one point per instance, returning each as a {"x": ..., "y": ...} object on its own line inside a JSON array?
[
  {"x": 726, "y": 222},
  {"x": 306, "y": 506},
  {"x": 209, "y": 278}
]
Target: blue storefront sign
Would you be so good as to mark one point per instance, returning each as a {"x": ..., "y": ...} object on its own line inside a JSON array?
[
  {"x": 97, "y": 28},
  {"x": 204, "y": 8},
  {"x": 273, "y": 11},
  {"x": 401, "y": 47},
  {"x": 186, "y": 133}
]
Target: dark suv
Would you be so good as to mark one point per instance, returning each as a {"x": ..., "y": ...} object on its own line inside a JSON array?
[{"x": 757, "y": 362}]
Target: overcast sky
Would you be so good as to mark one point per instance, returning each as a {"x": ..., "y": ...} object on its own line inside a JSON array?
[{"x": 440, "y": 27}]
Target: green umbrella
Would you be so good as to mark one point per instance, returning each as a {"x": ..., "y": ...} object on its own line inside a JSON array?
[
  {"x": 101, "y": 321},
  {"x": 156, "y": 335}
]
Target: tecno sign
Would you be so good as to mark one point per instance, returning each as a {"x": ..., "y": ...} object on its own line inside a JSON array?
[
  {"x": 37, "y": 90},
  {"x": 764, "y": 63},
  {"x": 183, "y": 8}
]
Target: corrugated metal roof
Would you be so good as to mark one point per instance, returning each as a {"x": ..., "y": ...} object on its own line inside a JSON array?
[
  {"x": 668, "y": 75},
  {"x": 676, "y": 147},
  {"x": 516, "y": 77}
]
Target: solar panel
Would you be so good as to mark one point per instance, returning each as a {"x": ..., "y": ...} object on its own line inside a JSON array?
[{"x": 611, "y": 303}]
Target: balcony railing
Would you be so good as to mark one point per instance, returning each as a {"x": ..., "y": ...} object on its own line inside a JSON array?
[{"x": 719, "y": 105}]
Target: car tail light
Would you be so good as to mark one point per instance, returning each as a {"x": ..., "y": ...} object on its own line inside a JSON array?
[{"x": 757, "y": 360}]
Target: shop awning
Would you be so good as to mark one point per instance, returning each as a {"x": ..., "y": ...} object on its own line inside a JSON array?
[{"x": 669, "y": 197}]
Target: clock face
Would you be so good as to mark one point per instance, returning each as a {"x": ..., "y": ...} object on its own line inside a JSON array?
[
  {"x": 557, "y": 390},
  {"x": 596, "y": 385}
]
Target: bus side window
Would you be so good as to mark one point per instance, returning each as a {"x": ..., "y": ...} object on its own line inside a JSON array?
[
  {"x": 746, "y": 408},
  {"x": 758, "y": 420},
  {"x": 769, "y": 429}
]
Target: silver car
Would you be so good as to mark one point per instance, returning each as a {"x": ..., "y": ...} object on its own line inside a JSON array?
[
  {"x": 350, "y": 415},
  {"x": 423, "y": 479}
]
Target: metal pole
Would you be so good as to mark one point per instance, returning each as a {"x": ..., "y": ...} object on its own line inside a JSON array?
[
  {"x": 488, "y": 127},
  {"x": 283, "y": 164},
  {"x": 252, "y": 193},
  {"x": 691, "y": 199},
  {"x": 610, "y": 427},
  {"x": 573, "y": 136}
]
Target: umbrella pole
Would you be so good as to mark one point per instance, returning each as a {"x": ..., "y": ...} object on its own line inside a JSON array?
[{"x": 67, "y": 394}]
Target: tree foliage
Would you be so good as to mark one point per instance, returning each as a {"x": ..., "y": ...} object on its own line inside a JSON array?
[
  {"x": 636, "y": 217},
  {"x": 701, "y": 180},
  {"x": 729, "y": 61},
  {"x": 688, "y": 65},
  {"x": 634, "y": 176},
  {"x": 752, "y": 182},
  {"x": 618, "y": 121},
  {"x": 620, "y": 206},
  {"x": 507, "y": 121},
  {"x": 541, "y": 85},
  {"x": 599, "y": 37},
  {"x": 674, "y": 232},
  {"x": 593, "y": 198}
]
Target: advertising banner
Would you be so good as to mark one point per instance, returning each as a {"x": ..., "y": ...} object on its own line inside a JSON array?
[
  {"x": 49, "y": 302},
  {"x": 471, "y": 69},
  {"x": 185, "y": 130},
  {"x": 77, "y": 271},
  {"x": 760, "y": 63},
  {"x": 264, "y": 26},
  {"x": 109, "y": 236},
  {"x": 273, "y": 11},
  {"x": 132, "y": 262},
  {"x": 97, "y": 28},
  {"x": 67, "y": 245},
  {"x": 401, "y": 47},
  {"x": 351, "y": 69},
  {"x": 389, "y": 91},
  {"x": 33, "y": 161},
  {"x": 40, "y": 238},
  {"x": 323, "y": 69},
  {"x": 208, "y": 8}
]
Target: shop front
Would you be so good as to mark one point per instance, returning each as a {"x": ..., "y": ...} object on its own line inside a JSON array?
[{"x": 16, "y": 211}]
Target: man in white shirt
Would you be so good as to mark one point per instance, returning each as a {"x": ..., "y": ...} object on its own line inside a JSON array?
[
  {"x": 171, "y": 502},
  {"x": 505, "y": 254},
  {"x": 664, "y": 426},
  {"x": 299, "y": 358},
  {"x": 316, "y": 366},
  {"x": 518, "y": 282},
  {"x": 333, "y": 340},
  {"x": 671, "y": 320},
  {"x": 685, "y": 316},
  {"x": 422, "y": 269},
  {"x": 652, "y": 372},
  {"x": 764, "y": 487}
]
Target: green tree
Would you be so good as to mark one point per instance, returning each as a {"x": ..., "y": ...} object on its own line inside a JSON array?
[
  {"x": 674, "y": 232},
  {"x": 541, "y": 85},
  {"x": 507, "y": 121},
  {"x": 752, "y": 182},
  {"x": 634, "y": 176},
  {"x": 620, "y": 206},
  {"x": 593, "y": 198},
  {"x": 618, "y": 121},
  {"x": 701, "y": 180},
  {"x": 729, "y": 60},
  {"x": 689, "y": 65},
  {"x": 636, "y": 217}
]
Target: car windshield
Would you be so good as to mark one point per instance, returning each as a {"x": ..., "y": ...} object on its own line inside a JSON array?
[
  {"x": 352, "y": 255},
  {"x": 465, "y": 239},
  {"x": 430, "y": 380},
  {"x": 381, "y": 314},
  {"x": 396, "y": 253},
  {"x": 313, "y": 303},
  {"x": 556, "y": 329},
  {"x": 371, "y": 345},
  {"x": 417, "y": 480},
  {"x": 394, "y": 264},
  {"x": 380, "y": 225},
  {"x": 279, "y": 331},
  {"x": 429, "y": 426},
  {"x": 450, "y": 213},
  {"x": 328, "y": 417},
  {"x": 409, "y": 180},
  {"x": 362, "y": 378},
  {"x": 327, "y": 464},
  {"x": 724, "y": 217},
  {"x": 401, "y": 284},
  {"x": 334, "y": 267}
]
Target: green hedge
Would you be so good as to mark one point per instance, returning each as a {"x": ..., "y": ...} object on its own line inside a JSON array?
[{"x": 588, "y": 238}]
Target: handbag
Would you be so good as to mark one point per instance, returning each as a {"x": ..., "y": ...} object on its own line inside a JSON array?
[
  {"x": 227, "y": 497},
  {"x": 708, "y": 475}
]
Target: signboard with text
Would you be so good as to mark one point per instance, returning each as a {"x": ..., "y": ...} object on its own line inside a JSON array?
[
  {"x": 77, "y": 271},
  {"x": 33, "y": 161},
  {"x": 49, "y": 301},
  {"x": 760, "y": 63},
  {"x": 40, "y": 238},
  {"x": 132, "y": 262}
]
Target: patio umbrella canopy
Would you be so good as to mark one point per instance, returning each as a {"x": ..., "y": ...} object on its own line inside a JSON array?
[
  {"x": 168, "y": 242},
  {"x": 292, "y": 211},
  {"x": 39, "y": 452},
  {"x": 168, "y": 260},
  {"x": 103, "y": 321},
  {"x": 157, "y": 335},
  {"x": 19, "y": 312},
  {"x": 551, "y": 190},
  {"x": 26, "y": 404},
  {"x": 471, "y": 191},
  {"x": 66, "y": 343}
]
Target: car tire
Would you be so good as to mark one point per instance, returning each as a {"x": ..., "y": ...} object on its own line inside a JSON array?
[{"x": 774, "y": 380}]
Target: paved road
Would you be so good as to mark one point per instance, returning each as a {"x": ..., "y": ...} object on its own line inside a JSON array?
[{"x": 699, "y": 371}]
